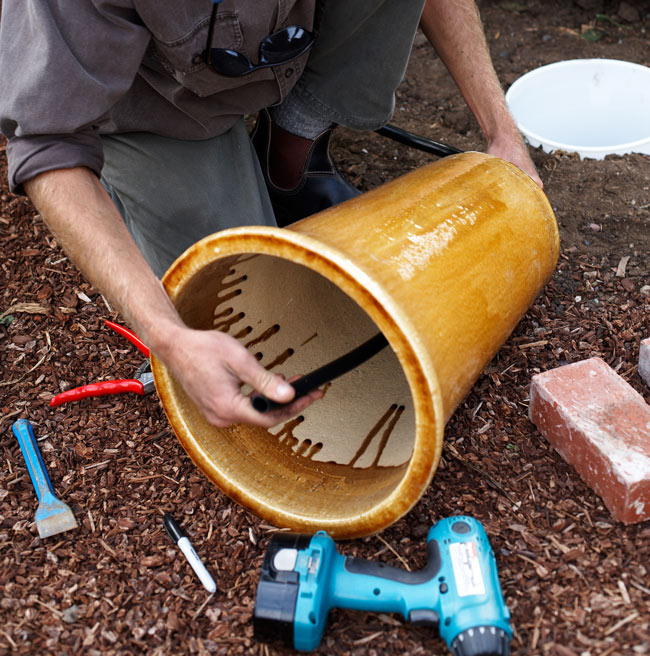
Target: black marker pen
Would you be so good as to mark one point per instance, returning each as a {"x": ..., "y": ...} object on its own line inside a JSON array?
[{"x": 186, "y": 547}]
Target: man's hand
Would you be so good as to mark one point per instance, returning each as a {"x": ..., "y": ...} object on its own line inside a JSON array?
[
  {"x": 514, "y": 150},
  {"x": 212, "y": 367}
]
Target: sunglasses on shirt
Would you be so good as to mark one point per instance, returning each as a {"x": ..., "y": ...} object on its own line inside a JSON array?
[{"x": 280, "y": 47}]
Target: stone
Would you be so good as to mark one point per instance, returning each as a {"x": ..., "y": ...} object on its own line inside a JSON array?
[
  {"x": 644, "y": 360},
  {"x": 628, "y": 12}
]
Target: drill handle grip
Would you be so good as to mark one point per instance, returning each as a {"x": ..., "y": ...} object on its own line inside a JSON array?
[
  {"x": 371, "y": 586},
  {"x": 379, "y": 570}
]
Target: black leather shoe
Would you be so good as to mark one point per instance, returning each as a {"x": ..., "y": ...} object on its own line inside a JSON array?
[{"x": 320, "y": 184}]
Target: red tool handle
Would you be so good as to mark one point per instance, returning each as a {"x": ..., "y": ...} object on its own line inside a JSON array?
[
  {"x": 130, "y": 335},
  {"x": 98, "y": 389}
]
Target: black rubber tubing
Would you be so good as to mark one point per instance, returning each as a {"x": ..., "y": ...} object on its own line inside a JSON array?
[
  {"x": 416, "y": 141},
  {"x": 325, "y": 374}
]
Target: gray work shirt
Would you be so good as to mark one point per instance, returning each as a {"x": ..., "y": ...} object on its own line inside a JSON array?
[{"x": 70, "y": 71}]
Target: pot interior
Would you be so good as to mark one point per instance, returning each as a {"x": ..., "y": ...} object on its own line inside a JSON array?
[{"x": 347, "y": 452}]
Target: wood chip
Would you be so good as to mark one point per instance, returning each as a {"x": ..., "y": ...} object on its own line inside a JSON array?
[
  {"x": 28, "y": 308},
  {"x": 623, "y": 622},
  {"x": 367, "y": 639},
  {"x": 624, "y": 593},
  {"x": 620, "y": 269},
  {"x": 542, "y": 342}
]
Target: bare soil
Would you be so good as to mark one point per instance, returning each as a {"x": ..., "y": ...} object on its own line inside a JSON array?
[{"x": 576, "y": 581}]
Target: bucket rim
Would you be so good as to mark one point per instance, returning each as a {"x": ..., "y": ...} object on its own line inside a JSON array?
[{"x": 641, "y": 145}]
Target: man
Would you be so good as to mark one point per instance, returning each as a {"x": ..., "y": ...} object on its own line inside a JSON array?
[{"x": 150, "y": 95}]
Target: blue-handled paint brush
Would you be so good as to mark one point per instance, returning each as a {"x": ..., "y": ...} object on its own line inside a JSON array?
[{"x": 52, "y": 515}]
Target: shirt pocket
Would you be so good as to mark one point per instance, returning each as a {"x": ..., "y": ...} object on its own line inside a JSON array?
[{"x": 182, "y": 58}]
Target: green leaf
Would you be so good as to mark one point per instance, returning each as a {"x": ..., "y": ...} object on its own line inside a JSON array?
[
  {"x": 592, "y": 35},
  {"x": 6, "y": 321}
]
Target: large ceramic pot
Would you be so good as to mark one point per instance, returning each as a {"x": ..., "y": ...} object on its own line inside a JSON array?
[{"x": 444, "y": 261}]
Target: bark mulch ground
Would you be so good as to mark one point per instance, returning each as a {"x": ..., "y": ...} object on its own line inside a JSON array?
[{"x": 577, "y": 582}]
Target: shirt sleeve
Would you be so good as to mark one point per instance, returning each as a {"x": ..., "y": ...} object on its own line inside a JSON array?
[{"x": 63, "y": 65}]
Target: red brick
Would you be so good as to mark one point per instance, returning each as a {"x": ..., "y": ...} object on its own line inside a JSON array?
[
  {"x": 601, "y": 426},
  {"x": 644, "y": 360}
]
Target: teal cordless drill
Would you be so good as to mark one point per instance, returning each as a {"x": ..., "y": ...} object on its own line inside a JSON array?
[{"x": 458, "y": 591}]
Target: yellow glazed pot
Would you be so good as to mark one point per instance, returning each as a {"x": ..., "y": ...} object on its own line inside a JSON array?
[{"x": 444, "y": 261}]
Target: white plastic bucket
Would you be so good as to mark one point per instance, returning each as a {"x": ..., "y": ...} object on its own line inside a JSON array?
[{"x": 594, "y": 107}]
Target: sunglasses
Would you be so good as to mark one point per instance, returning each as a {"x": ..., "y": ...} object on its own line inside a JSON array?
[{"x": 280, "y": 47}]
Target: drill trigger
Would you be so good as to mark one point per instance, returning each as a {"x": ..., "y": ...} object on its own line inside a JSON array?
[{"x": 424, "y": 616}]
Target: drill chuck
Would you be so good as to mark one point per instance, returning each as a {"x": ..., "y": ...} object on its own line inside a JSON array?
[{"x": 481, "y": 641}]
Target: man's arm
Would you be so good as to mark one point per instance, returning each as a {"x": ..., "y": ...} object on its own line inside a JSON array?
[
  {"x": 454, "y": 29},
  {"x": 210, "y": 365}
]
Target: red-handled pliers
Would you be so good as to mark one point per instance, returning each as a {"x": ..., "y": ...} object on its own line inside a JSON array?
[{"x": 141, "y": 384}]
